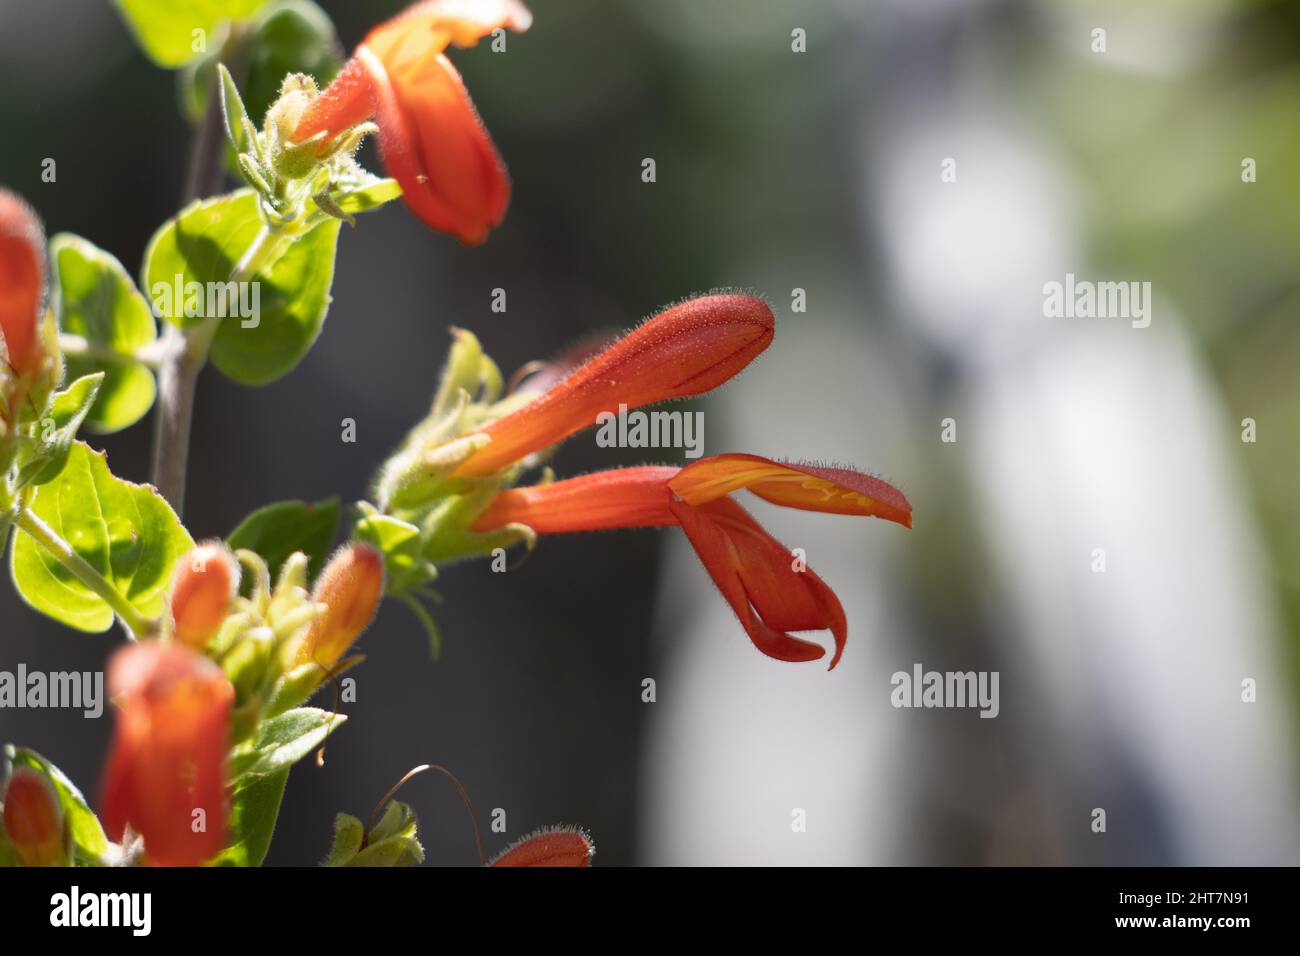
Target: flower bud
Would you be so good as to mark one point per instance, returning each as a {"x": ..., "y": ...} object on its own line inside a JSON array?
[
  {"x": 22, "y": 282},
  {"x": 205, "y": 585},
  {"x": 550, "y": 846},
  {"x": 688, "y": 349},
  {"x": 350, "y": 587},
  {"x": 34, "y": 819}
]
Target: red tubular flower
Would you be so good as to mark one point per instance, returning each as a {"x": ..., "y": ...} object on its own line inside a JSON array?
[
  {"x": 688, "y": 349},
  {"x": 752, "y": 569},
  {"x": 554, "y": 846},
  {"x": 22, "y": 281},
  {"x": 169, "y": 755},
  {"x": 34, "y": 819},
  {"x": 431, "y": 137}
]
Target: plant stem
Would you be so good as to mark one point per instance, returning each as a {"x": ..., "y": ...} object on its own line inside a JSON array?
[
  {"x": 79, "y": 346},
  {"x": 80, "y": 568},
  {"x": 178, "y": 370}
]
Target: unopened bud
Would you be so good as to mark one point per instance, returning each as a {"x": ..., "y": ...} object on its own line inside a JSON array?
[
  {"x": 203, "y": 590},
  {"x": 685, "y": 350},
  {"x": 22, "y": 282},
  {"x": 551, "y": 846},
  {"x": 34, "y": 819},
  {"x": 350, "y": 587}
]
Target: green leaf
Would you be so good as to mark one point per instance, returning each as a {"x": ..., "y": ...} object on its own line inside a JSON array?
[
  {"x": 88, "y": 839},
  {"x": 288, "y": 297},
  {"x": 293, "y": 37},
  {"x": 67, "y": 410},
  {"x": 202, "y": 244},
  {"x": 126, "y": 532},
  {"x": 284, "y": 740},
  {"x": 278, "y": 530},
  {"x": 254, "y": 808},
  {"x": 166, "y": 29},
  {"x": 96, "y": 299}
]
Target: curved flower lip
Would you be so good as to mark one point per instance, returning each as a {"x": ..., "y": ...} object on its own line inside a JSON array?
[
  {"x": 437, "y": 148},
  {"x": 443, "y": 22},
  {"x": 807, "y": 487},
  {"x": 22, "y": 281},
  {"x": 756, "y": 577},
  {"x": 688, "y": 349}
]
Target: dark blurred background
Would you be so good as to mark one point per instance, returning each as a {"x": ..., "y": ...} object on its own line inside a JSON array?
[{"x": 820, "y": 171}]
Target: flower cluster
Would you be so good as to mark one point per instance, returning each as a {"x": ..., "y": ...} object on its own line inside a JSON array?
[
  {"x": 458, "y": 471},
  {"x": 230, "y": 638}
]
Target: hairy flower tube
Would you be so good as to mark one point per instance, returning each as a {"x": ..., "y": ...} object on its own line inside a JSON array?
[
  {"x": 22, "y": 282},
  {"x": 166, "y": 773},
  {"x": 688, "y": 349},
  {"x": 548, "y": 847},
  {"x": 33, "y": 819},
  {"x": 350, "y": 587},
  {"x": 204, "y": 589},
  {"x": 430, "y": 134},
  {"x": 770, "y": 593}
]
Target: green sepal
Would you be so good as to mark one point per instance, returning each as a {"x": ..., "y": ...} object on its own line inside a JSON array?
[{"x": 67, "y": 410}]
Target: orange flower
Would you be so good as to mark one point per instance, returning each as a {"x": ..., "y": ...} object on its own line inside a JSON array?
[
  {"x": 431, "y": 137},
  {"x": 34, "y": 819},
  {"x": 205, "y": 585},
  {"x": 351, "y": 587},
  {"x": 688, "y": 349},
  {"x": 166, "y": 772},
  {"x": 770, "y": 593},
  {"x": 22, "y": 281},
  {"x": 553, "y": 846}
]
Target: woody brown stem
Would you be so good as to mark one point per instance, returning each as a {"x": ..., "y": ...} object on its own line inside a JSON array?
[{"x": 178, "y": 370}]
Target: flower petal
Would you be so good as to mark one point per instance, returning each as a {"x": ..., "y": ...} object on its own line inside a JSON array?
[
  {"x": 755, "y": 573},
  {"x": 807, "y": 487},
  {"x": 435, "y": 145},
  {"x": 436, "y": 23}
]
